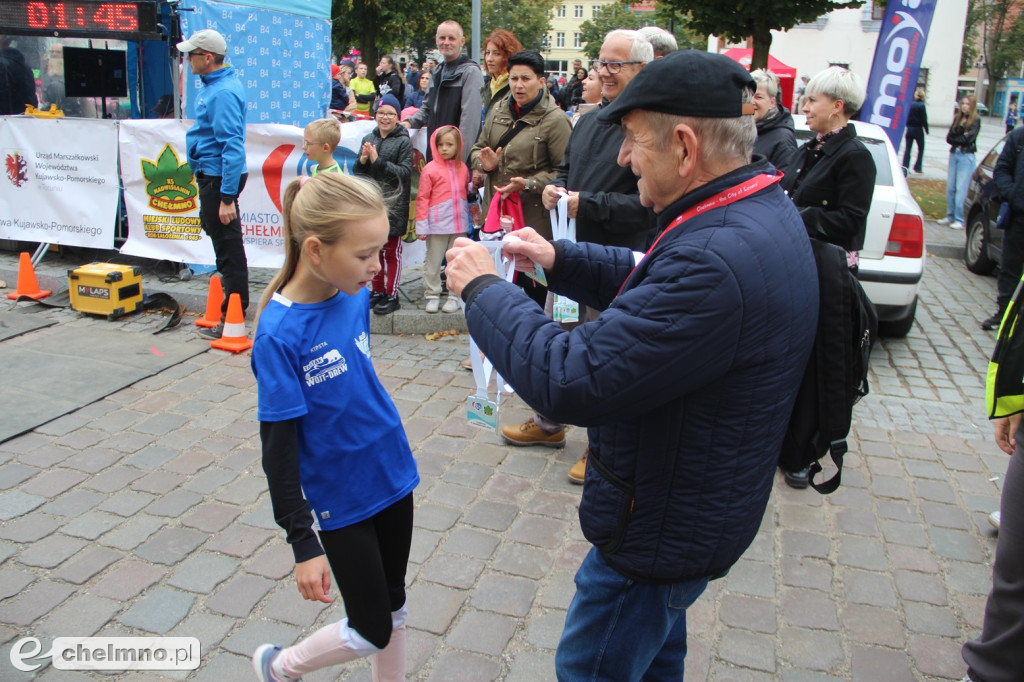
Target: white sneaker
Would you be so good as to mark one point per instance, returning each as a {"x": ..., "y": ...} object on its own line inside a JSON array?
[
  {"x": 956, "y": 225},
  {"x": 450, "y": 305},
  {"x": 944, "y": 221},
  {"x": 432, "y": 305},
  {"x": 993, "y": 518}
]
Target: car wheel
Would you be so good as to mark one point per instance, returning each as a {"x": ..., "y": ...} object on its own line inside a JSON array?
[
  {"x": 976, "y": 247},
  {"x": 897, "y": 329}
]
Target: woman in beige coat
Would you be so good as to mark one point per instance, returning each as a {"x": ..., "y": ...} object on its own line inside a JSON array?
[{"x": 523, "y": 141}]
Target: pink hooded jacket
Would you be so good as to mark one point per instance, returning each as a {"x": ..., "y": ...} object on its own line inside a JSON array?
[{"x": 441, "y": 206}]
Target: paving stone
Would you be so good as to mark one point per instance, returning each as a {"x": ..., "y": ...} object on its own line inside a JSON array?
[
  {"x": 796, "y": 543},
  {"x": 456, "y": 666},
  {"x": 956, "y": 545},
  {"x": 47, "y": 456},
  {"x": 74, "y": 503},
  {"x": 91, "y": 525},
  {"x": 211, "y": 517},
  {"x": 252, "y": 634},
  {"x": 806, "y": 572},
  {"x": 86, "y": 564},
  {"x": 927, "y": 619},
  {"x": 240, "y": 541},
  {"x": 810, "y": 609},
  {"x": 871, "y": 664},
  {"x": 238, "y": 596},
  {"x": 29, "y": 528},
  {"x": 510, "y": 595},
  {"x": 752, "y": 578},
  {"x": 207, "y": 628},
  {"x": 748, "y": 613},
  {"x": 160, "y": 424},
  {"x": 287, "y": 605},
  {"x": 15, "y": 503},
  {"x": 158, "y": 482},
  {"x": 50, "y": 551},
  {"x": 202, "y": 572},
  {"x": 937, "y": 657},
  {"x": 747, "y": 649},
  {"x": 275, "y": 561},
  {"x": 540, "y": 531},
  {"x": 469, "y": 475},
  {"x": 810, "y": 649},
  {"x": 519, "y": 559},
  {"x": 899, "y": 533},
  {"x": 14, "y": 581},
  {"x": 873, "y": 625},
  {"x": 127, "y": 579},
  {"x": 435, "y": 517},
  {"x": 243, "y": 491},
  {"x": 31, "y": 605},
  {"x": 223, "y": 667},
  {"x": 261, "y": 517},
  {"x": 113, "y": 479},
  {"x": 482, "y": 632},
  {"x": 491, "y": 515},
  {"x": 13, "y": 473},
  {"x": 471, "y": 542},
  {"x": 545, "y": 629},
  {"x": 158, "y": 610},
  {"x": 126, "y": 503},
  {"x": 80, "y": 616},
  {"x": 453, "y": 571},
  {"x": 433, "y": 607},
  {"x": 170, "y": 545},
  {"x": 213, "y": 479},
  {"x": 860, "y": 552},
  {"x": 862, "y": 587},
  {"x": 133, "y": 533},
  {"x": 152, "y": 457}
]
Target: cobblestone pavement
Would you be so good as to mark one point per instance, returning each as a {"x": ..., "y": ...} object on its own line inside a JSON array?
[{"x": 113, "y": 523}]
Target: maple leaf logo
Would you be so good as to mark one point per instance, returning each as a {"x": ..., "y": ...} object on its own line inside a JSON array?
[
  {"x": 170, "y": 184},
  {"x": 17, "y": 169}
]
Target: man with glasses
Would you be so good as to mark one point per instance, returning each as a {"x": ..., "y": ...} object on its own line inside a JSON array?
[
  {"x": 215, "y": 146},
  {"x": 603, "y": 198}
]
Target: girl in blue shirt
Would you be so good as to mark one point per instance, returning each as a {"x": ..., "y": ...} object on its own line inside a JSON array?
[{"x": 334, "y": 450}]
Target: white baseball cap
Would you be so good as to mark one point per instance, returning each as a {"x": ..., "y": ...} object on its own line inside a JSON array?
[{"x": 206, "y": 39}]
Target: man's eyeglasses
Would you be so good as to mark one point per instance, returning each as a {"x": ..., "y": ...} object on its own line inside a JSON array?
[
  {"x": 613, "y": 67},
  {"x": 197, "y": 54}
]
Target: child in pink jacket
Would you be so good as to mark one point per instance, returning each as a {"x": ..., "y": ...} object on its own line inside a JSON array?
[{"x": 442, "y": 211}]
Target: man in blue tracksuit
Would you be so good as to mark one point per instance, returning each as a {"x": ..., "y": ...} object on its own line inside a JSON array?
[
  {"x": 216, "y": 152},
  {"x": 686, "y": 379}
]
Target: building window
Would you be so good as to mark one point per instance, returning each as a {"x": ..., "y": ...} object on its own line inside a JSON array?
[
  {"x": 595, "y": 11},
  {"x": 877, "y": 11},
  {"x": 577, "y": 11},
  {"x": 560, "y": 39},
  {"x": 922, "y": 79},
  {"x": 561, "y": 11},
  {"x": 841, "y": 65},
  {"x": 577, "y": 39}
]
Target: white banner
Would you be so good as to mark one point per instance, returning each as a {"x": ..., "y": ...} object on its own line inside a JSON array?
[
  {"x": 161, "y": 195},
  {"x": 60, "y": 181}
]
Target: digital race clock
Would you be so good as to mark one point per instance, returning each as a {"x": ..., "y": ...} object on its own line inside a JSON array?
[{"x": 125, "y": 19}]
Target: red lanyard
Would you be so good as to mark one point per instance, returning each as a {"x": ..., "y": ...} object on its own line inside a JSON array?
[{"x": 723, "y": 198}]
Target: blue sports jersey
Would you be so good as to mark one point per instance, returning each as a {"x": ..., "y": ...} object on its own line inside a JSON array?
[{"x": 312, "y": 363}]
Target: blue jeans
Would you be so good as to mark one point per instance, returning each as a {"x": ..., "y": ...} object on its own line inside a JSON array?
[
  {"x": 619, "y": 630},
  {"x": 959, "y": 176}
]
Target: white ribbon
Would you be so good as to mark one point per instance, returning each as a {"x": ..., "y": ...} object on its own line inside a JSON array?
[
  {"x": 562, "y": 226},
  {"x": 482, "y": 367}
]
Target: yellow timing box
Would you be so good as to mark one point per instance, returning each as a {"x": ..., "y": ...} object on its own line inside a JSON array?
[{"x": 105, "y": 289}]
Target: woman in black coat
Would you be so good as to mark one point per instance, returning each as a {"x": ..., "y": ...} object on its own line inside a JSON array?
[
  {"x": 831, "y": 178},
  {"x": 386, "y": 156}
]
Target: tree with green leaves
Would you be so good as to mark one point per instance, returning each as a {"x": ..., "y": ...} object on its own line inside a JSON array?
[
  {"x": 612, "y": 16},
  {"x": 1002, "y": 40},
  {"x": 528, "y": 20},
  {"x": 738, "y": 21}
]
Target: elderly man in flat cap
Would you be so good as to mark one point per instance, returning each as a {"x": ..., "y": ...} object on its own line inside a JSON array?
[
  {"x": 215, "y": 146},
  {"x": 685, "y": 380}
]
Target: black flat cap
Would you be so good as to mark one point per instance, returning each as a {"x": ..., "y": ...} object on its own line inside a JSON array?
[{"x": 686, "y": 83}]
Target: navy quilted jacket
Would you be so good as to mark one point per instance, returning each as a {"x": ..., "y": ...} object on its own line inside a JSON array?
[{"x": 685, "y": 381}]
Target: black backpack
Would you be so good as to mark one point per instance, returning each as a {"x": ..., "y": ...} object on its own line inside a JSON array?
[{"x": 837, "y": 372}]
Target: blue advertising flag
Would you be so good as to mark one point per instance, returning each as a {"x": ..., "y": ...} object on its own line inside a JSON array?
[{"x": 896, "y": 65}]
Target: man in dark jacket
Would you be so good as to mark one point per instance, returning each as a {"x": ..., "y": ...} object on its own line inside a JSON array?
[
  {"x": 17, "y": 86},
  {"x": 686, "y": 379},
  {"x": 454, "y": 94},
  {"x": 1006, "y": 175},
  {"x": 603, "y": 198}
]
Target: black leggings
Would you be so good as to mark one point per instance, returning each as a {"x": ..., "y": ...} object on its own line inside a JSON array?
[{"x": 368, "y": 560}]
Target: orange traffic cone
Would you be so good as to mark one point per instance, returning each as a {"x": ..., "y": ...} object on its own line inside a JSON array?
[
  {"x": 234, "y": 338},
  {"x": 214, "y": 302},
  {"x": 27, "y": 283}
]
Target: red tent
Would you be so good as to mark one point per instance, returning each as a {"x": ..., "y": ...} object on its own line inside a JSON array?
[{"x": 786, "y": 74}]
